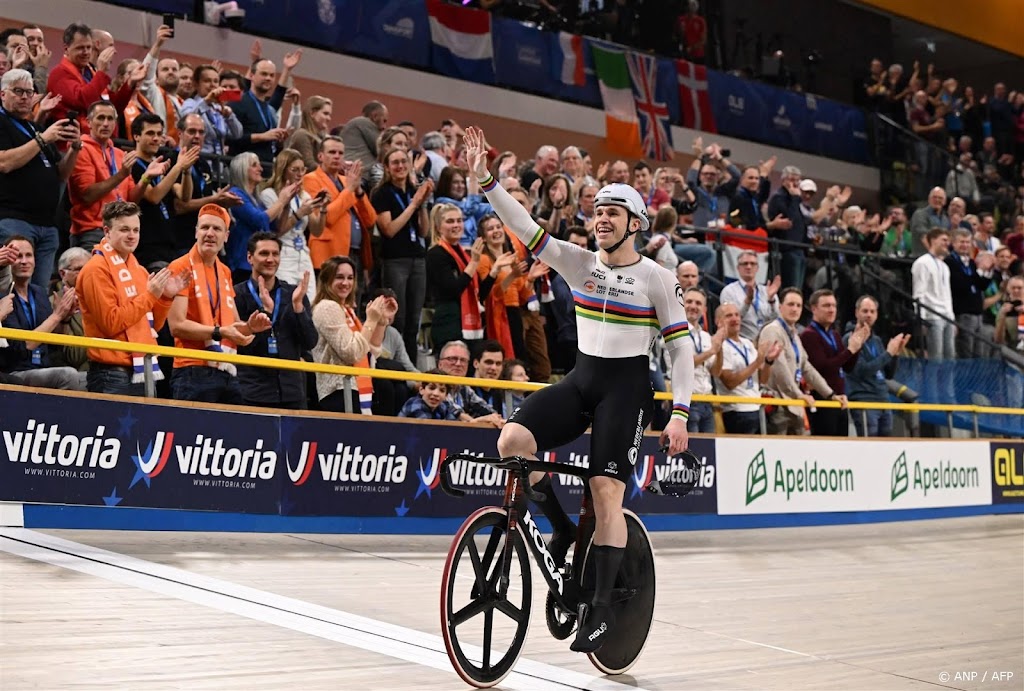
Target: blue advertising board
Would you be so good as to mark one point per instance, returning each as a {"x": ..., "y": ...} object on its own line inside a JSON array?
[{"x": 113, "y": 453}]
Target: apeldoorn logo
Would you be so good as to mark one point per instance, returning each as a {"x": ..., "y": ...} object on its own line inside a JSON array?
[
  {"x": 43, "y": 444},
  {"x": 809, "y": 478},
  {"x": 942, "y": 476}
]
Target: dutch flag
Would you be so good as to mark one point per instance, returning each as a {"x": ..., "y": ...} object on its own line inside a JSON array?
[{"x": 461, "y": 41}]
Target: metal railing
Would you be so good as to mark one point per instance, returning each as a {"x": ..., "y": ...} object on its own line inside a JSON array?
[{"x": 151, "y": 351}]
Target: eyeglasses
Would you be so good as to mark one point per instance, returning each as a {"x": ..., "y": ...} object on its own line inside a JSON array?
[
  {"x": 22, "y": 93},
  {"x": 452, "y": 358}
]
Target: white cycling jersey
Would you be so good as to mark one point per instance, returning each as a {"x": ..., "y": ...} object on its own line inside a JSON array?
[{"x": 619, "y": 310}]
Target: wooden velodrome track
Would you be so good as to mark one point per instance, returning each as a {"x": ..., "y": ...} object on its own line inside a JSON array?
[{"x": 881, "y": 606}]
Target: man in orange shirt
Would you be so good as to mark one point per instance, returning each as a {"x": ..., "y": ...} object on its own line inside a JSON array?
[
  {"x": 102, "y": 174},
  {"x": 350, "y": 215},
  {"x": 204, "y": 317},
  {"x": 120, "y": 301}
]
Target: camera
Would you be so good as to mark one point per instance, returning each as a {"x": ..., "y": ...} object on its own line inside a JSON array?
[
  {"x": 726, "y": 153},
  {"x": 901, "y": 391},
  {"x": 1016, "y": 304},
  {"x": 227, "y": 14}
]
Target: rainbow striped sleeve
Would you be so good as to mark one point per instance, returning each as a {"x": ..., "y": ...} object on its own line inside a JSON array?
[
  {"x": 673, "y": 332},
  {"x": 489, "y": 184},
  {"x": 681, "y": 411}
]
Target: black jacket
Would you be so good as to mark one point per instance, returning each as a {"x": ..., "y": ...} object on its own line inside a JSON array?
[
  {"x": 295, "y": 335},
  {"x": 966, "y": 285}
]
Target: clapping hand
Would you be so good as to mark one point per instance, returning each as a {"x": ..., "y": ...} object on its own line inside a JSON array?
[
  {"x": 477, "y": 250},
  {"x": 8, "y": 255},
  {"x": 158, "y": 167},
  {"x": 773, "y": 287},
  {"x": 896, "y": 344},
  {"x": 300, "y": 293},
  {"x": 258, "y": 322},
  {"x": 265, "y": 299}
]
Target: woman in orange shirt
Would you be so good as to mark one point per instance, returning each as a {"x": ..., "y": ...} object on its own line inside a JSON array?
[{"x": 499, "y": 260}]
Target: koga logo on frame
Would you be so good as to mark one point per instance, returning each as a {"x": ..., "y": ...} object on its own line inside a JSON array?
[
  {"x": 799, "y": 480},
  {"x": 944, "y": 475},
  {"x": 44, "y": 445}
]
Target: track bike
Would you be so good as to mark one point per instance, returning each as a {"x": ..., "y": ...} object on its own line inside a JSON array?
[{"x": 486, "y": 589}]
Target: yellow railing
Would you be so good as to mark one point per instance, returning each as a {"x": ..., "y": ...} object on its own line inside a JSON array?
[{"x": 301, "y": 366}]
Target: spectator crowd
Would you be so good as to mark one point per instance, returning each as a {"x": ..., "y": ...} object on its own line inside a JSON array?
[{"x": 157, "y": 202}]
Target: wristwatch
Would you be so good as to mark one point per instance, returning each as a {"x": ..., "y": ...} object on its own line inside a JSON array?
[{"x": 216, "y": 332}]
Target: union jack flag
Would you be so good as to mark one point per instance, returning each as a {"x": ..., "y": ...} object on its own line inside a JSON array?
[{"x": 655, "y": 122}]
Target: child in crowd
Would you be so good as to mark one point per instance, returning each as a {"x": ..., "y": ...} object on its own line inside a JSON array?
[{"x": 432, "y": 403}]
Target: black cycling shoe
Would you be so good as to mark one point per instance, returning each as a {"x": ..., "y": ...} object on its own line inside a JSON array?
[
  {"x": 559, "y": 546},
  {"x": 595, "y": 624}
]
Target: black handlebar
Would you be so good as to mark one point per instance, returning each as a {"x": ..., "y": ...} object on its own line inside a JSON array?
[{"x": 514, "y": 464}]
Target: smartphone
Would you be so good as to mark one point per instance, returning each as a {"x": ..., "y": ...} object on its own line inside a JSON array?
[
  {"x": 73, "y": 115},
  {"x": 321, "y": 195},
  {"x": 169, "y": 22},
  {"x": 230, "y": 96}
]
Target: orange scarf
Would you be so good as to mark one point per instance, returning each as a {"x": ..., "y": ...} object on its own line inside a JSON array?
[
  {"x": 363, "y": 382},
  {"x": 472, "y": 324},
  {"x": 225, "y": 308},
  {"x": 497, "y": 327},
  {"x": 121, "y": 270}
]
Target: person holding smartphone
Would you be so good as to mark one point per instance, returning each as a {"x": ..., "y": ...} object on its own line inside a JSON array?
[
  {"x": 221, "y": 122},
  {"x": 31, "y": 170}
]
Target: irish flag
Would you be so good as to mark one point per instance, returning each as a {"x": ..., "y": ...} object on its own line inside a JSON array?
[{"x": 622, "y": 128}]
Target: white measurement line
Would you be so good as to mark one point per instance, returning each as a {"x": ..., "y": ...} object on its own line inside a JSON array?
[{"x": 343, "y": 627}]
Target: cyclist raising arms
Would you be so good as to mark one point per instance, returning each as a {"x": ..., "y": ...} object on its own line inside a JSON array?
[{"x": 622, "y": 300}]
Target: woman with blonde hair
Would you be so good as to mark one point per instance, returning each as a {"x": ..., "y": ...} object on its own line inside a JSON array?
[
  {"x": 252, "y": 216},
  {"x": 304, "y": 214},
  {"x": 453, "y": 281},
  {"x": 391, "y": 138},
  {"x": 504, "y": 322},
  {"x": 343, "y": 338},
  {"x": 403, "y": 224},
  {"x": 316, "y": 124}
]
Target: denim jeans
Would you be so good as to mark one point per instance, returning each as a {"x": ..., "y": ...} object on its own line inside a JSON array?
[
  {"x": 939, "y": 339},
  {"x": 742, "y": 422},
  {"x": 88, "y": 240},
  {"x": 701, "y": 255},
  {"x": 66, "y": 378},
  {"x": 205, "y": 384},
  {"x": 879, "y": 423},
  {"x": 408, "y": 278},
  {"x": 44, "y": 241},
  {"x": 702, "y": 419},
  {"x": 112, "y": 379},
  {"x": 794, "y": 268}
]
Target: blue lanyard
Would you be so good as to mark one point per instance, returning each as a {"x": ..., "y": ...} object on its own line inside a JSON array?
[
  {"x": 743, "y": 354},
  {"x": 753, "y": 204},
  {"x": 792, "y": 342},
  {"x": 277, "y": 299},
  {"x": 156, "y": 180},
  {"x": 871, "y": 347},
  {"x": 827, "y": 335},
  {"x": 403, "y": 202},
  {"x": 111, "y": 160},
  {"x": 214, "y": 307},
  {"x": 964, "y": 266},
  {"x": 29, "y": 308},
  {"x": 712, "y": 201},
  {"x": 29, "y": 132},
  {"x": 698, "y": 344},
  {"x": 268, "y": 123}
]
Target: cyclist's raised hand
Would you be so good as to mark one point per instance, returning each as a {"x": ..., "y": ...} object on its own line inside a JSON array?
[{"x": 476, "y": 151}]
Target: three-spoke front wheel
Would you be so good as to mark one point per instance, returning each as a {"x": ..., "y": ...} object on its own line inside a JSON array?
[{"x": 486, "y": 593}]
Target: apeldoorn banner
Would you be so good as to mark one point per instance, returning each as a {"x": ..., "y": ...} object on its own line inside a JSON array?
[{"x": 772, "y": 475}]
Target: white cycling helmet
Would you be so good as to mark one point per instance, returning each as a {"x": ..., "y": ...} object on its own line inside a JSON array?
[{"x": 620, "y": 194}]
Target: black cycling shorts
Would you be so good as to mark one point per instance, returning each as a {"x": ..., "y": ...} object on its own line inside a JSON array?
[{"x": 613, "y": 395}]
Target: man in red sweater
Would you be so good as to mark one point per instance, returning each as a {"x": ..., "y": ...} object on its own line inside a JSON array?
[{"x": 79, "y": 83}]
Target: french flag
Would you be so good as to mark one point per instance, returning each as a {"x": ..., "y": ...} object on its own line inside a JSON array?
[{"x": 461, "y": 40}]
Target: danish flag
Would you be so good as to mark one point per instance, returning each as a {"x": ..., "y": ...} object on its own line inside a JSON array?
[{"x": 694, "y": 99}]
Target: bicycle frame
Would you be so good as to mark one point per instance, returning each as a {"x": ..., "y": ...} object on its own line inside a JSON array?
[{"x": 517, "y": 483}]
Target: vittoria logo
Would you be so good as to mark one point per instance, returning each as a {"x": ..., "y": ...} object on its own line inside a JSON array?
[
  {"x": 307, "y": 459},
  {"x": 43, "y": 444}
]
